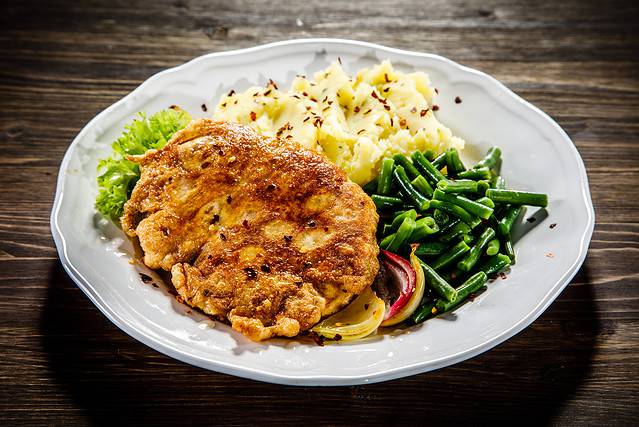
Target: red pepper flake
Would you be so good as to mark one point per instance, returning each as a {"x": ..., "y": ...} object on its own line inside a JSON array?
[
  {"x": 326, "y": 229},
  {"x": 423, "y": 112},
  {"x": 325, "y": 108},
  {"x": 391, "y": 122},
  {"x": 550, "y": 255},
  {"x": 457, "y": 100},
  {"x": 250, "y": 273},
  {"x": 367, "y": 111},
  {"x": 502, "y": 276},
  {"x": 265, "y": 268},
  {"x": 215, "y": 219},
  {"x": 553, "y": 225},
  {"x": 245, "y": 224},
  {"x": 253, "y": 115},
  {"x": 356, "y": 109},
  {"x": 256, "y": 93},
  {"x": 437, "y": 91},
  {"x": 203, "y": 106},
  {"x": 325, "y": 98},
  {"x": 305, "y": 93},
  {"x": 288, "y": 238},
  {"x": 306, "y": 119},
  {"x": 374, "y": 95},
  {"x": 272, "y": 83},
  {"x": 330, "y": 102},
  {"x": 235, "y": 102},
  {"x": 386, "y": 90},
  {"x": 435, "y": 107},
  {"x": 146, "y": 279},
  {"x": 337, "y": 94},
  {"x": 313, "y": 99},
  {"x": 366, "y": 306},
  {"x": 206, "y": 292},
  {"x": 311, "y": 223},
  {"x": 223, "y": 237},
  {"x": 359, "y": 132},
  {"x": 402, "y": 122},
  {"x": 220, "y": 152},
  {"x": 339, "y": 60},
  {"x": 387, "y": 107},
  {"x": 268, "y": 92},
  {"x": 296, "y": 96},
  {"x": 229, "y": 198},
  {"x": 337, "y": 337},
  {"x": 231, "y": 93},
  {"x": 386, "y": 78},
  {"x": 224, "y": 104}
]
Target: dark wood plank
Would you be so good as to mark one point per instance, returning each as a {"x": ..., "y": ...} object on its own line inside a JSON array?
[{"x": 63, "y": 62}]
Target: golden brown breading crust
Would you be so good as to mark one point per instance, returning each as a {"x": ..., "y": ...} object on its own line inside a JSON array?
[{"x": 257, "y": 230}]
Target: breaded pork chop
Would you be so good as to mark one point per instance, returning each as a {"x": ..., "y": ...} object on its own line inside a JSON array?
[{"x": 260, "y": 231}]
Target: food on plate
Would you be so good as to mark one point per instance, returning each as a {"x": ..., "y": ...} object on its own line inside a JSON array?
[
  {"x": 118, "y": 174},
  {"x": 254, "y": 229},
  {"x": 355, "y": 122},
  {"x": 453, "y": 223},
  {"x": 264, "y": 226}
]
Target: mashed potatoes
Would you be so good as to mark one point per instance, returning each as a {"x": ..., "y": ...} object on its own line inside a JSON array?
[{"x": 354, "y": 122}]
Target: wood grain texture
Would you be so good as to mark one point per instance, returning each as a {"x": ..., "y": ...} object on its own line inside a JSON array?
[{"x": 64, "y": 363}]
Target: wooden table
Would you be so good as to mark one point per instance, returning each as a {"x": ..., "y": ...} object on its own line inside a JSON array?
[{"x": 62, "y": 362}]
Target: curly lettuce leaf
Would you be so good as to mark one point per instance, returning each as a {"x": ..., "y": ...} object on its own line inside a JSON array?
[{"x": 118, "y": 175}]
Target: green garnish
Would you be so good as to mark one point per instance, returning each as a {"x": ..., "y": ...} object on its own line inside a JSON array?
[{"x": 118, "y": 174}]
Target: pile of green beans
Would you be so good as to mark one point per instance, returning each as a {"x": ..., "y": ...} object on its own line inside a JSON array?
[{"x": 460, "y": 218}]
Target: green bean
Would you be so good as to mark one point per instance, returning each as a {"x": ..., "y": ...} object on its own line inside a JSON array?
[
  {"x": 455, "y": 210},
  {"x": 475, "y": 173},
  {"x": 517, "y": 197},
  {"x": 386, "y": 241},
  {"x": 371, "y": 187},
  {"x": 477, "y": 209},
  {"x": 429, "y": 154},
  {"x": 403, "y": 233},
  {"x": 386, "y": 202},
  {"x": 473, "y": 255},
  {"x": 397, "y": 221},
  {"x": 431, "y": 247},
  {"x": 427, "y": 168},
  {"x": 507, "y": 243},
  {"x": 439, "y": 161},
  {"x": 423, "y": 312},
  {"x": 491, "y": 159},
  {"x": 482, "y": 186},
  {"x": 510, "y": 215},
  {"x": 385, "y": 177},
  {"x": 439, "y": 285},
  {"x": 495, "y": 264},
  {"x": 423, "y": 227},
  {"x": 472, "y": 285},
  {"x": 456, "y": 231},
  {"x": 468, "y": 238},
  {"x": 387, "y": 229},
  {"x": 452, "y": 254},
  {"x": 459, "y": 186},
  {"x": 441, "y": 217},
  {"x": 453, "y": 162},
  {"x": 417, "y": 198},
  {"x": 422, "y": 185},
  {"x": 403, "y": 161},
  {"x": 486, "y": 202},
  {"x": 493, "y": 247}
]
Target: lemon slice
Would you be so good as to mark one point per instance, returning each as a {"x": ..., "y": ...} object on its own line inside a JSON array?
[{"x": 359, "y": 319}]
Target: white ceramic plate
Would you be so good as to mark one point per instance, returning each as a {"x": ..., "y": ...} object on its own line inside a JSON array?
[{"x": 538, "y": 155}]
